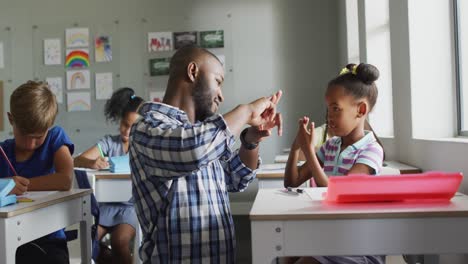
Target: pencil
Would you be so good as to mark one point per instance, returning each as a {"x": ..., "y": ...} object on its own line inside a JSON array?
[
  {"x": 100, "y": 150},
  {"x": 8, "y": 161}
]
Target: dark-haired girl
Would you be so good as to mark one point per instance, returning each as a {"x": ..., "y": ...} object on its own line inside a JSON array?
[
  {"x": 352, "y": 149},
  {"x": 118, "y": 219}
]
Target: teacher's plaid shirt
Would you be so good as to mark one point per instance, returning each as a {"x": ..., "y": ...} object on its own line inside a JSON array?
[{"x": 181, "y": 173}]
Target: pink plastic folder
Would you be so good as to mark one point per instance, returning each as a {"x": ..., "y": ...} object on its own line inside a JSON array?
[{"x": 367, "y": 188}]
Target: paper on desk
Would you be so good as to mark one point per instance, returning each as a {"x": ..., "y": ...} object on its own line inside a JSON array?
[
  {"x": 316, "y": 194},
  {"x": 35, "y": 195}
]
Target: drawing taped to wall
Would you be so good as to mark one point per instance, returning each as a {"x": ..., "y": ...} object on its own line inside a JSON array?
[
  {"x": 160, "y": 41},
  {"x": 103, "y": 50},
  {"x": 79, "y": 79},
  {"x": 78, "y": 102},
  {"x": 77, "y": 58},
  {"x": 55, "y": 85},
  {"x": 77, "y": 37},
  {"x": 103, "y": 84},
  {"x": 52, "y": 52}
]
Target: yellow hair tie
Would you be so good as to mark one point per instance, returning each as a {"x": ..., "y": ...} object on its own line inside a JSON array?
[
  {"x": 346, "y": 70},
  {"x": 354, "y": 71}
]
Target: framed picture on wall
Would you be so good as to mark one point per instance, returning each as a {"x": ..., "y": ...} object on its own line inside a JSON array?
[
  {"x": 160, "y": 41},
  {"x": 159, "y": 66},
  {"x": 212, "y": 39},
  {"x": 184, "y": 39}
]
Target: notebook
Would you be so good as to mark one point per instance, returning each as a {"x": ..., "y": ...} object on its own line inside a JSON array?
[
  {"x": 6, "y": 185},
  {"x": 119, "y": 164}
]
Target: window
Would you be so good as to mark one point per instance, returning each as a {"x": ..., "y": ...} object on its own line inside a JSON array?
[{"x": 461, "y": 63}]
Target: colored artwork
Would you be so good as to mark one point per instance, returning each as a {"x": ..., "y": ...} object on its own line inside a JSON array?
[
  {"x": 184, "y": 39},
  {"x": 79, "y": 79},
  {"x": 56, "y": 86},
  {"x": 159, "y": 66},
  {"x": 52, "y": 52},
  {"x": 77, "y": 37},
  {"x": 156, "y": 96},
  {"x": 103, "y": 51},
  {"x": 78, "y": 102},
  {"x": 160, "y": 41},
  {"x": 77, "y": 58},
  {"x": 2, "y": 62},
  {"x": 103, "y": 85},
  {"x": 212, "y": 39}
]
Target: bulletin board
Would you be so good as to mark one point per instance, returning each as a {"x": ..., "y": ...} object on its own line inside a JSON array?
[{"x": 155, "y": 82}]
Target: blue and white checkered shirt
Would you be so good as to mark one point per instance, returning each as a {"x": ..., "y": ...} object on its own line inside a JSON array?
[{"x": 181, "y": 173}]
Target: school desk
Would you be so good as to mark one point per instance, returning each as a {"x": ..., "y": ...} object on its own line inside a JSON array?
[
  {"x": 291, "y": 224},
  {"x": 50, "y": 211},
  {"x": 114, "y": 187}
]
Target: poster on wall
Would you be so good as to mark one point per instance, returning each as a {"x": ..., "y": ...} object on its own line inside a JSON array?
[
  {"x": 78, "y": 101},
  {"x": 76, "y": 37},
  {"x": 184, "y": 39},
  {"x": 160, "y": 41},
  {"x": 79, "y": 79},
  {"x": 103, "y": 83},
  {"x": 159, "y": 66},
  {"x": 103, "y": 50},
  {"x": 2, "y": 62},
  {"x": 52, "y": 52},
  {"x": 77, "y": 58},
  {"x": 156, "y": 96},
  {"x": 56, "y": 86},
  {"x": 212, "y": 39}
]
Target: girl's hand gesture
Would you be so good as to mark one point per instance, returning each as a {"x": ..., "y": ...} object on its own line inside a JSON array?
[
  {"x": 21, "y": 185},
  {"x": 305, "y": 136}
]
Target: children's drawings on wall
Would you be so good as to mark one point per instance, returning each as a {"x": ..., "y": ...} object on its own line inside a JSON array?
[
  {"x": 2, "y": 60},
  {"x": 103, "y": 51},
  {"x": 184, "y": 39},
  {"x": 55, "y": 85},
  {"x": 79, "y": 79},
  {"x": 77, "y": 58},
  {"x": 52, "y": 52},
  {"x": 103, "y": 85},
  {"x": 212, "y": 39},
  {"x": 77, "y": 37},
  {"x": 156, "y": 96},
  {"x": 78, "y": 102},
  {"x": 160, "y": 41}
]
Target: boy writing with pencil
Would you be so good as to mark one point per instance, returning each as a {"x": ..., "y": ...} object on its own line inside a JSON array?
[{"x": 39, "y": 159}]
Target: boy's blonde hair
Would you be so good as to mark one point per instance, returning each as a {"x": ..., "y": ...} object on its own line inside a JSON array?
[{"x": 33, "y": 107}]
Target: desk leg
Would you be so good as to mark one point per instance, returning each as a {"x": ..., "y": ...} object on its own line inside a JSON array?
[
  {"x": 85, "y": 230},
  {"x": 267, "y": 241},
  {"x": 8, "y": 241}
]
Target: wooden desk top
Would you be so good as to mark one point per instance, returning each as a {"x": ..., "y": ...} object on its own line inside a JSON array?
[
  {"x": 274, "y": 205},
  {"x": 403, "y": 168},
  {"x": 47, "y": 200},
  {"x": 112, "y": 176}
]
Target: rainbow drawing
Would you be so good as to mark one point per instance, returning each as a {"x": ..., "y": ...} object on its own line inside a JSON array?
[
  {"x": 77, "y": 37},
  {"x": 78, "y": 102},
  {"x": 79, "y": 79},
  {"x": 77, "y": 58}
]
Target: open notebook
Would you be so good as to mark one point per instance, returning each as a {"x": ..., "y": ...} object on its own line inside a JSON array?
[{"x": 6, "y": 185}]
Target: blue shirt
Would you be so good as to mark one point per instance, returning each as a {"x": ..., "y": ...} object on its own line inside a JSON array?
[
  {"x": 181, "y": 175},
  {"x": 41, "y": 162}
]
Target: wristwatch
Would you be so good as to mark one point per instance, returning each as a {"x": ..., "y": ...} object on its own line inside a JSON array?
[{"x": 247, "y": 145}]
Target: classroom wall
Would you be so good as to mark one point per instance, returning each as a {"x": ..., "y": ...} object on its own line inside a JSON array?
[{"x": 269, "y": 45}]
